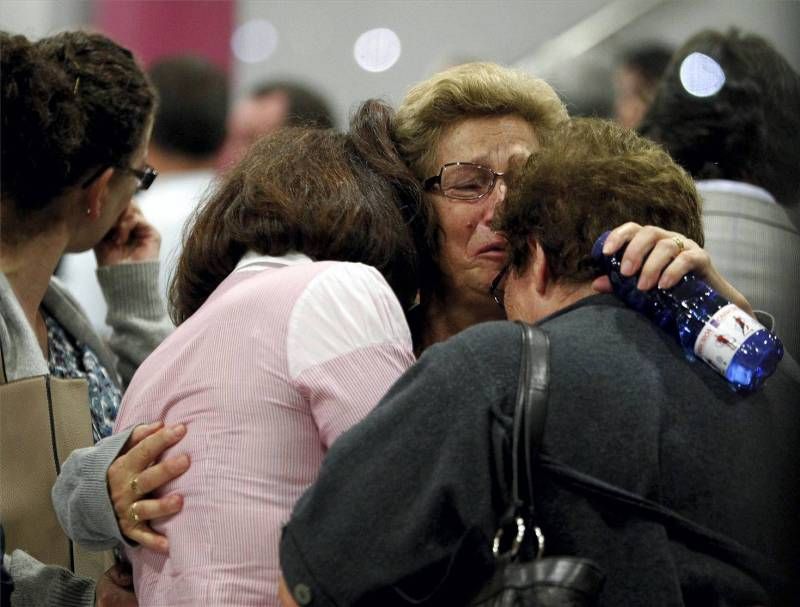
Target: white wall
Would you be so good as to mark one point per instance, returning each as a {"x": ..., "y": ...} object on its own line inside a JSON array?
[
  {"x": 586, "y": 79},
  {"x": 37, "y": 18},
  {"x": 317, "y": 37}
]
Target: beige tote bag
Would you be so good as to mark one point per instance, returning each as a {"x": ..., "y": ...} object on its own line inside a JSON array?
[{"x": 42, "y": 419}]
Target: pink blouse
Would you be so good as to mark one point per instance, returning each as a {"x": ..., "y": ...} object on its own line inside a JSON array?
[{"x": 283, "y": 357}]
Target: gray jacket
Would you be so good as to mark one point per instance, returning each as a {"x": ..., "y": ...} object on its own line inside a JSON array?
[
  {"x": 757, "y": 248},
  {"x": 407, "y": 501}
]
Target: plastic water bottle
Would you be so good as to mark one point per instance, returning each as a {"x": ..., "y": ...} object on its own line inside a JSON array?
[{"x": 706, "y": 324}]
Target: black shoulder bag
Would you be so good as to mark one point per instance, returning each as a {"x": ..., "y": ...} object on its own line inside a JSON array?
[{"x": 523, "y": 576}]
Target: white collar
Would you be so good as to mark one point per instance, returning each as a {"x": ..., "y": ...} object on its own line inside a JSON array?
[
  {"x": 725, "y": 186},
  {"x": 252, "y": 261}
]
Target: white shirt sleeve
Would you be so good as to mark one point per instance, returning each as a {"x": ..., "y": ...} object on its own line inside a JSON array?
[{"x": 348, "y": 342}]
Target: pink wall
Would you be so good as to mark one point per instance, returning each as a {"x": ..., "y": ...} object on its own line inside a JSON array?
[{"x": 156, "y": 28}]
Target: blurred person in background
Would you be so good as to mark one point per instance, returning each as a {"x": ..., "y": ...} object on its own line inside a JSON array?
[
  {"x": 77, "y": 112},
  {"x": 728, "y": 111},
  {"x": 269, "y": 106},
  {"x": 636, "y": 77},
  {"x": 188, "y": 134}
]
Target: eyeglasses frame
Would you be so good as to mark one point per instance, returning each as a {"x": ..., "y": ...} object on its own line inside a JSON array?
[
  {"x": 495, "y": 291},
  {"x": 430, "y": 182},
  {"x": 145, "y": 176}
]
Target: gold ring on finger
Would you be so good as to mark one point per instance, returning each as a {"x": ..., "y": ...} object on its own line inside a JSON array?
[
  {"x": 135, "y": 486},
  {"x": 679, "y": 243},
  {"x": 132, "y": 515}
]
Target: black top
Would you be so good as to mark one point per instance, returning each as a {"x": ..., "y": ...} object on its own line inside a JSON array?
[{"x": 408, "y": 500}]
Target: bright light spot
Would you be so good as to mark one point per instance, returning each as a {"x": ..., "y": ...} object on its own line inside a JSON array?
[
  {"x": 254, "y": 41},
  {"x": 701, "y": 76},
  {"x": 377, "y": 50}
]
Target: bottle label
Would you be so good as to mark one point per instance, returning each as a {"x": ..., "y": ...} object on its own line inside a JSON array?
[{"x": 722, "y": 336}]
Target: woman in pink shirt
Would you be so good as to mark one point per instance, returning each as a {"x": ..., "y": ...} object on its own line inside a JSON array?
[{"x": 288, "y": 335}]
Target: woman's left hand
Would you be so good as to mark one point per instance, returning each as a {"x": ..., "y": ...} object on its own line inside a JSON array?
[
  {"x": 664, "y": 257},
  {"x": 131, "y": 239},
  {"x": 138, "y": 471}
]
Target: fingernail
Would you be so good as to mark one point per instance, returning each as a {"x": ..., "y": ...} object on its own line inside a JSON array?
[
  {"x": 607, "y": 248},
  {"x": 626, "y": 268},
  {"x": 183, "y": 460},
  {"x": 178, "y": 431}
]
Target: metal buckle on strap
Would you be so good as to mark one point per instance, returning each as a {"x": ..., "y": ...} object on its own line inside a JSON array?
[{"x": 517, "y": 542}]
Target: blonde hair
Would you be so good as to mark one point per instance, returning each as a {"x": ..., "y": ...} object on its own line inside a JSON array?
[{"x": 465, "y": 91}]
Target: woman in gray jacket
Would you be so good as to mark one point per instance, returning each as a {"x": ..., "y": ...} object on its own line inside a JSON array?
[{"x": 77, "y": 116}]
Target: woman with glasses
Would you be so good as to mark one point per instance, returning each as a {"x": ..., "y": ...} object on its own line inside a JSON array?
[
  {"x": 462, "y": 132},
  {"x": 77, "y": 115},
  {"x": 623, "y": 415}
]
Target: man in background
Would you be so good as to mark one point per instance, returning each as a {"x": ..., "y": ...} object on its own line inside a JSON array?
[
  {"x": 635, "y": 80},
  {"x": 271, "y": 105},
  {"x": 188, "y": 134}
]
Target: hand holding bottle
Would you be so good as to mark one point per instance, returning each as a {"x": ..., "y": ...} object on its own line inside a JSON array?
[{"x": 706, "y": 324}]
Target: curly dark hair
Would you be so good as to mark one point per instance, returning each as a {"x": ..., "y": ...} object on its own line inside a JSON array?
[
  {"x": 589, "y": 177},
  {"x": 328, "y": 195},
  {"x": 71, "y": 104},
  {"x": 746, "y": 131}
]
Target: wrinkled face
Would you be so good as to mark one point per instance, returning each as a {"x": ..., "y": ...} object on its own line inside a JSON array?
[{"x": 470, "y": 253}]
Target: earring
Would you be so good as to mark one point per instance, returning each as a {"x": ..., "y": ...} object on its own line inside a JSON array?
[{"x": 88, "y": 211}]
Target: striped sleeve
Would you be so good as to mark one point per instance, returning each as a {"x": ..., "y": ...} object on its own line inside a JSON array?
[{"x": 348, "y": 342}]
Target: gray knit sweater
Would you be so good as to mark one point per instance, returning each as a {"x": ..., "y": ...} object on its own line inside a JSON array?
[{"x": 137, "y": 317}]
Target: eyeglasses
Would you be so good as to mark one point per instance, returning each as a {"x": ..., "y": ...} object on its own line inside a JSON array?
[
  {"x": 463, "y": 181},
  {"x": 495, "y": 291},
  {"x": 146, "y": 176}
]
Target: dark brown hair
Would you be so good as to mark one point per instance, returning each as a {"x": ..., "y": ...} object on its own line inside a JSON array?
[
  {"x": 747, "y": 130},
  {"x": 592, "y": 176},
  {"x": 307, "y": 107},
  {"x": 192, "y": 106},
  {"x": 72, "y": 103},
  {"x": 328, "y": 195}
]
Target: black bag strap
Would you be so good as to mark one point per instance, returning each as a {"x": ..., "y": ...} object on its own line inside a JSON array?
[{"x": 530, "y": 412}]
